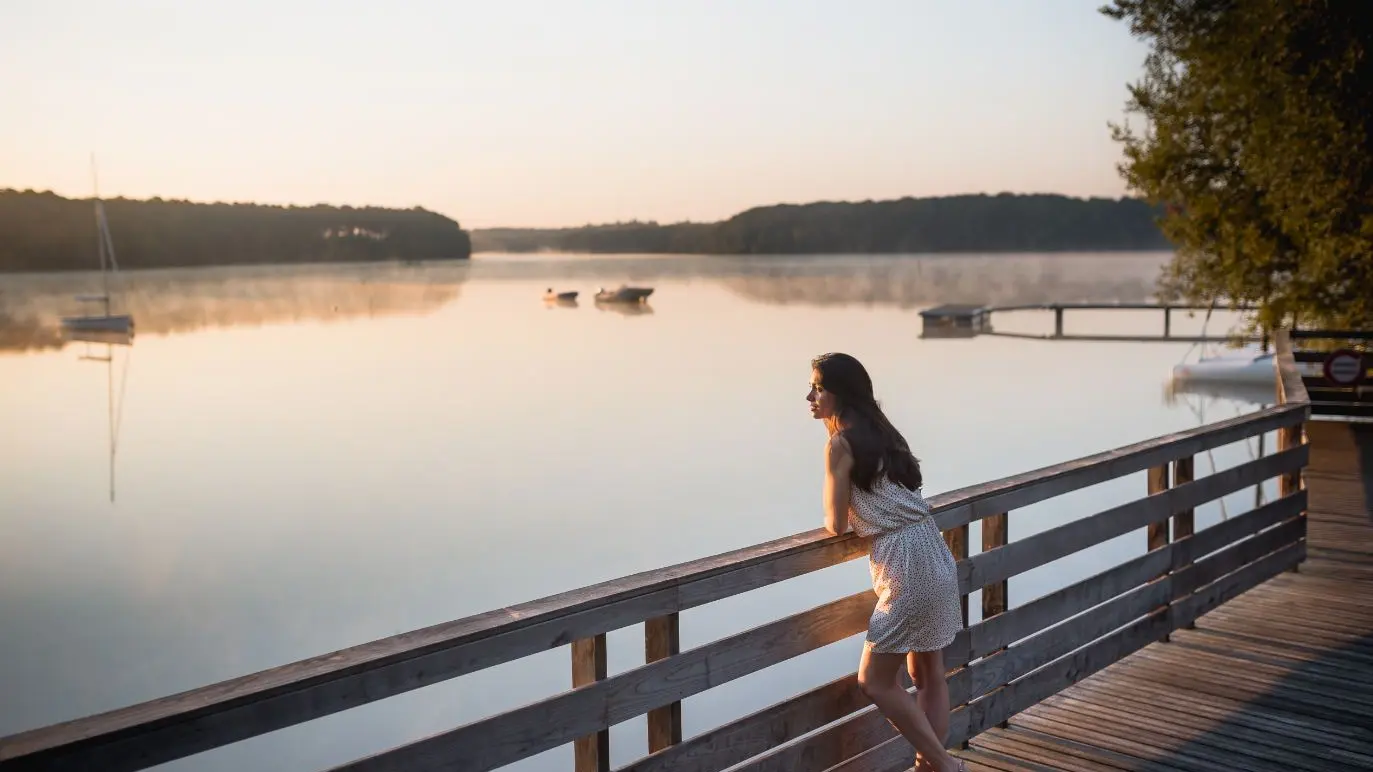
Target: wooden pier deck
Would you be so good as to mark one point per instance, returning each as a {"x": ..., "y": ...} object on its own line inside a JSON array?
[{"x": 1279, "y": 678}]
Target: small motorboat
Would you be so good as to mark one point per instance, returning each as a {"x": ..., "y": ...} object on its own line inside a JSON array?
[
  {"x": 1247, "y": 367},
  {"x": 561, "y": 297},
  {"x": 623, "y": 294}
]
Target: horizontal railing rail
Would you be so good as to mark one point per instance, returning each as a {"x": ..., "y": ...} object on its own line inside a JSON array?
[
  {"x": 1010, "y": 659},
  {"x": 1326, "y": 397}
]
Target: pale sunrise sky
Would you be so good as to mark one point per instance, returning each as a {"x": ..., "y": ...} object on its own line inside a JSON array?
[{"x": 561, "y": 112}]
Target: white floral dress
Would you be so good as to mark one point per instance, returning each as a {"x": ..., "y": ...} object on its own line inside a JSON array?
[{"x": 914, "y": 574}]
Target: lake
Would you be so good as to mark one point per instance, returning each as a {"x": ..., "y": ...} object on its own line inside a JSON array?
[{"x": 292, "y": 460}]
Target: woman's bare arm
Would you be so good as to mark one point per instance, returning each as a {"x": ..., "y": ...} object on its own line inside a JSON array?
[{"x": 838, "y": 464}]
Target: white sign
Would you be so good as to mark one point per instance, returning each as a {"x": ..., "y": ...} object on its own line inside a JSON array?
[{"x": 1344, "y": 367}]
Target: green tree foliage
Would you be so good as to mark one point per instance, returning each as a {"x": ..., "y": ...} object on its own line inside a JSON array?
[
  {"x": 1257, "y": 142},
  {"x": 973, "y": 223},
  {"x": 46, "y": 232}
]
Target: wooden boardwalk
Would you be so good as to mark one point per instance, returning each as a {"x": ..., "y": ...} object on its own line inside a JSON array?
[{"x": 1279, "y": 678}]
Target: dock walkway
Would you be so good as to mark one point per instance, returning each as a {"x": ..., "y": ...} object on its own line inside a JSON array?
[{"x": 1279, "y": 678}]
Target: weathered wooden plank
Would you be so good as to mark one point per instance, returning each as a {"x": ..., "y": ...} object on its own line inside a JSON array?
[
  {"x": 1001, "y": 668},
  {"x": 1236, "y": 556},
  {"x": 1141, "y": 693},
  {"x": 985, "y": 760},
  {"x": 1330, "y": 334},
  {"x": 1202, "y": 706},
  {"x": 1024, "y": 620},
  {"x": 1158, "y": 530},
  {"x": 507, "y": 737},
  {"x": 1241, "y": 684},
  {"x": 1058, "y": 754},
  {"x": 1219, "y": 740},
  {"x": 755, "y": 733},
  {"x": 1049, "y": 545},
  {"x": 590, "y": 753},
  {"x": 995, "y": 534},
  {"x": 1120, "y": 738},
  {"x": 1306, "y": 683},
  {"x": 893, "y": 755},
  {"x": 1291, "y": 390},
  {"x": 1207, "y": 598},
  {"x": 1208, "y": 540},
  {"x": 1184, "y": 471},
  {"x": 823, "y": 749},
  {"x": 957, "y": 540},
  {"x": 1018, "y": 491},
  {"x": 662, "y": 639},
  {"x": 1015, "y": 697}
]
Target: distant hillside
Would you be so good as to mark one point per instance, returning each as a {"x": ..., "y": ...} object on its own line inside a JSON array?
[
  {"x": 41, "y": 231},
  {"x": 973, "y": 223}
]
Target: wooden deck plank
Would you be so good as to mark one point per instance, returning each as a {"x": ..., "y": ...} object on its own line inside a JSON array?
[
  {"x": 1202, "y": 719},
  {"x": 1278, "y": 678},
  {"x": 1278, "y": 726}
]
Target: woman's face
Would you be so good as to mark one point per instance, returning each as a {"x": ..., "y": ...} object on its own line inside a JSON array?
[{"x": 823, "y": 404}]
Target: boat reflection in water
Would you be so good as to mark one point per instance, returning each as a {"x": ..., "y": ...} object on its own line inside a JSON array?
[
  {"x": 114, "y": 401},
  {"x": 638, "y": 308}
]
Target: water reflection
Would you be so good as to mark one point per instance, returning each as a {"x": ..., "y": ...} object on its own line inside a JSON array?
[
  {"x": 1177, "y": 390},
  {"x": 167, "y": 301},
  {"x": 894, "y": 280},
  {"x": 924, "y": 281},
  {"x": 625, "y": 309},
  {"x": 180, "y": 300},
  {"x": 114, "y": 399}
]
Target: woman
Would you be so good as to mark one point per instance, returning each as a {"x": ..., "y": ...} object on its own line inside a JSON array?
[{"x": 872, "y": 482}]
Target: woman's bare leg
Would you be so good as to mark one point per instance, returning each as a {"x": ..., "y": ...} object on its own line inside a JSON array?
[
  {"x": 932, "y": 696},
  {"x": 880, "y": 677},
  {"x": 927, "y": 672}
]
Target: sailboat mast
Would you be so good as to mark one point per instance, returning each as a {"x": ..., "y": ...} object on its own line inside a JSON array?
[{"x": 100, "y": 236}]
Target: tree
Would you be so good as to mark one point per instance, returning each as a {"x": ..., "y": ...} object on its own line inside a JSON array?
[{"x": 1258, "y": 117}]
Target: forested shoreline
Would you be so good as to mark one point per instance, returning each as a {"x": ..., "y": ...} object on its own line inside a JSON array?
[
  {"x": 42, "y": 231},
  {"x": 971, "y": 223}
]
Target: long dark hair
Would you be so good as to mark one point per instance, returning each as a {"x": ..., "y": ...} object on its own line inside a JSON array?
[{"x": 876, "y": 444}]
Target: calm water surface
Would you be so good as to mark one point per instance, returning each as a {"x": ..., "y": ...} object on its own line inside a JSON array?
[{"x": 309, "y": 458}]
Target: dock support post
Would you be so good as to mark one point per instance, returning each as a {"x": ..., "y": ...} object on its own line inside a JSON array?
[
  {"x": 995, "y": 533},
  {"x": 1167, "y": 321},
  {"x": 662, "y": 639},
  {"x": 1158, "y": 532},
  {"x": 1290, "y": 437},
  {"x": 1184, "y": 523},
  {"x": 590, "y": 753},
  {"x": 1058, "y": 321},
  {"x": 957, "y": 539}
]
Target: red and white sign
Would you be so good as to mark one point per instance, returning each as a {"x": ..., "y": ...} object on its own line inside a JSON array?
[{"x": 1344, "y": 367}]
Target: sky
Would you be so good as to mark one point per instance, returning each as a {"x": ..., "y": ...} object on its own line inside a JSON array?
[{"x": 545, "y": 113}]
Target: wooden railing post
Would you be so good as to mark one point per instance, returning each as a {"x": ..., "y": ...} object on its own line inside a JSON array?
[
  {"x": 590, "y": 753},
  {"x": 1292, "y": 482},
  {"x": 1184, "y": 524},
  {"x": 957, "y": 539},
  {"x": 1158, "y": 532},
  {"x": 662, "y": 639},
  {"x": 995, "y": 530}
]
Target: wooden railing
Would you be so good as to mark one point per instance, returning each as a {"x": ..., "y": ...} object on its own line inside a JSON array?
[
  {"x": 1327, "y": 398},
  {"x": 1011, "y": 659}
]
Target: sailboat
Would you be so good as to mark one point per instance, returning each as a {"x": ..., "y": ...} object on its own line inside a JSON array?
[{"x": 106, "y": 322}]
